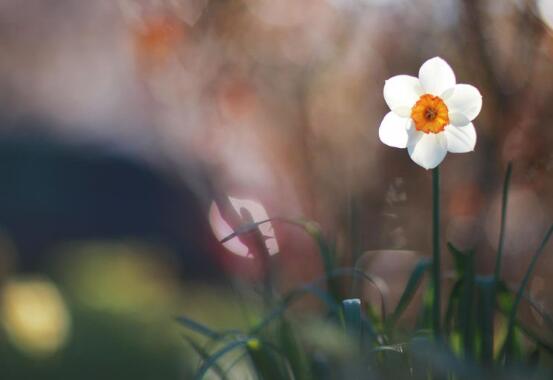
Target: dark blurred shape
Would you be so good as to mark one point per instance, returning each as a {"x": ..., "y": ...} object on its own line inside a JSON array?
[{"x": 51, "y": 193}]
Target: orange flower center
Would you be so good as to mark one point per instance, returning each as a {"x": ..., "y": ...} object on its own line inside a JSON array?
[{"x": 430, "y": 114}]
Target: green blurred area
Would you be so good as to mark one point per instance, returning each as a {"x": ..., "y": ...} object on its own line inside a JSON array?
[{"x": 104, "y": 310}]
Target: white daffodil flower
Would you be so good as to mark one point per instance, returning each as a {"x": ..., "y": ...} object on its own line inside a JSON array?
[{"x": 430, "y": 115}]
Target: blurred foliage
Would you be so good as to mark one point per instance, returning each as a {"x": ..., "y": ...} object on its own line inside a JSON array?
[
  {"x": 109, "y": 314},
  {"x": 483, "y": 336}
]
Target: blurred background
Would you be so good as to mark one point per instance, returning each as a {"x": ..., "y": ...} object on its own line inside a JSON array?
[{"x": 136, "y": 134}]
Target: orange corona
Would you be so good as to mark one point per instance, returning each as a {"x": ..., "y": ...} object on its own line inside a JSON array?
[{"x": 430, "y": 114}]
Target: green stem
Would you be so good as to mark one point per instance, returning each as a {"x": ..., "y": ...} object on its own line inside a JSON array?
[
  {"x": 506, "y": 183},
  {"x": 436, "y": 307}
]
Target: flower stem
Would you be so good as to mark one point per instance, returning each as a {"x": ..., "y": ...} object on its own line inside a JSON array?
[{"x": 436, "y": 283}]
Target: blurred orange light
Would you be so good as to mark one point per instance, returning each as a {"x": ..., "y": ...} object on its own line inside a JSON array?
[{"x": 156, "y": 38}]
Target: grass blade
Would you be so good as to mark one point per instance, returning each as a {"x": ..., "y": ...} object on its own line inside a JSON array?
[
  {"x": 212, "y": 360},
  {"x": 513, "y": 313},
  {"x": 534, "y": 304},
  {"x": 504, "y": 201},
  {"x": 486, "y": 303},
  {"x": 410, "y": 289},
  {"x": 295, "y": 353},
  {"x": 204, "y": 355},
  {"x": 293, "y": 296},
  {"x": 312, "y": 288},
  {"x": 352, "y": 318},
  {"x": 246, "y": 228},
  {"x": 533, "y": 336},
  {"x": 452, "y": 306},
  {"x": 465, "y": 269},
  {"x": 235, "y": 362},
  {"x": 267, "y": 361},
  {"x": 459, "y": 259},
  {"x": 198, "y": 327},
  {"x": 466, "y": 306},
  {"x": 424, "y": 320},
  {"x": 327, "y": 257},
  {"x": 313, "y": 229}
]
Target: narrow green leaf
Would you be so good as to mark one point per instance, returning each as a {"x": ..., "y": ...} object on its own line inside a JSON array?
[
  {"x": 464, "y": 267},
  {"x": 486, "y": 305},
  {"x": 233, "y": 364},
  {"x": 212, "y": 360},
  {"x": 352, "y": 318},
  {"x": 313, "y": 229},
  {"x": 539, "y": 309},
  {"x": 508, "y": 346},
  {"x": 410, "y": 289},
  {"x": 452, "y": 305},
  {"x": 533, "y": 336},
  {"x": 358, "y": 274},
  {"x": 424, "y": 320},
  {"x": 459, "y": 259},
  {"x": 373, "y": 323},
  {"x": 295, "y": 353},
  {"x": 204, "y": 355},
  {"x": 505, "y": 290},
  {"x": 267, "y": 360},
  {"x": 246, "y": 228},
  {"x": 312, "y": 288},
  {"x": 289, "y": 299},
  {"x": 466, "y": 306},
  {"x": 504, "y": 200},
  {"x": 327, "y": 257},
  {"x": 198, "y": 327}
]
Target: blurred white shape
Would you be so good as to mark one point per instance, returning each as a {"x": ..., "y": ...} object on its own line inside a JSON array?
[
  {"x": 545, "y": 8},
  {"x": 222, "y": 229},
  {"x": 258, "y": 213}
]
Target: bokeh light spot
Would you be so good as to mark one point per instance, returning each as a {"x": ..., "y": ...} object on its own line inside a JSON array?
[{"x": 35, "y": 316}]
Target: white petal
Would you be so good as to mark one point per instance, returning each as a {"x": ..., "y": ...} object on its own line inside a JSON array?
[
  {"x": 401, "y": 93},
  {"x": 460, "y": 139},
  {"x": 393, "y": 130},
  {"x": 466, "y": 100},
  {"x": 427, "y": 149},
  {"x": 458, "y": 119},
  {"x": 436, "y": 77}
]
